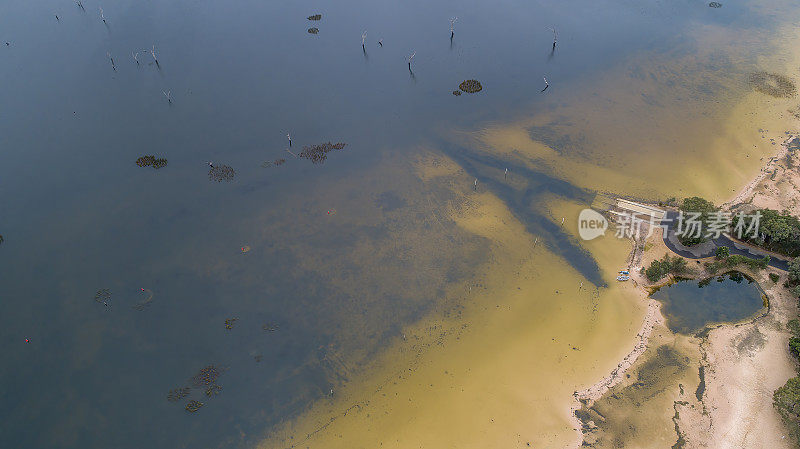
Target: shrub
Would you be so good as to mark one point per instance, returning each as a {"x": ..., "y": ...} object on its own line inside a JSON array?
[{"x": 774, "y": 277}]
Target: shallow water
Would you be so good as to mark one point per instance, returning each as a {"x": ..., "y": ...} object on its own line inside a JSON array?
[
  {"x": 691, "y": 305},
  {"x": 345, "y": 255}
]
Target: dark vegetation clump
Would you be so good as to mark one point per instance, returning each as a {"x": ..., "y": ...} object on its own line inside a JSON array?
[
  {"x": 178, "y": 394},
  {"x": 470, "y": 86},
  {"x": 668, "y": 265},
  {"x": 457, "y": 93},
  {"x": 319, "y": 153},
  {"x": 315, "y": 17},
  {"x": 193, "y": 406},
  {"x": 221, "y": 173},
  {"x": 794, "y": 346},
  {"x": 230, "y": 322},
  {"x": 774, "y": 277},
  {"x": 772, "y": 84},
  {"x": 715, "y": 5},
  {"x": 151, "y": 161},
  {"x": 690, "y": 207},
  {"x": 778, "y": 232},
  {"x": 206, "y": 377},
  {"x": 213, "y": 390},
  {"x": 1, "y": 239},
  {"x": 313, "y": 30}
]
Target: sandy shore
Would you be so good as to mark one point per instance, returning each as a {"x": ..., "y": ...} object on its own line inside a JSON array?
[
  {"x": 766, "y": 190},
  {"x": 745, "y": 363},
  {"x": 597, "y": 390},
  {"x": 589, "y": 395},
  {"x": 742, "y": 363}
]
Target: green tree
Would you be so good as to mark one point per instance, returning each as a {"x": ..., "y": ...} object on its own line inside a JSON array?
[
  {"x": 691, "y": 206},
  {"x": 776, "y": 231},
  {"x": 794, "y": 271},
  {"x": 660, "y": 268},
  {"x": 723, "y": 252},
  {"x": 786, "y": 400},
  {"x": 794, "y": 346}
]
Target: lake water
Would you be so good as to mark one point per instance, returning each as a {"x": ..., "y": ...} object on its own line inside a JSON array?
[
  {"x": 690, "y": 305},
  {"x": 342, "y": 255}
]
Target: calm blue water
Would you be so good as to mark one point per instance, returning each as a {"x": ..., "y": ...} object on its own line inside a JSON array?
[
  {"x": 78, "y": 215},
  {"x": 690, "y": 305}
]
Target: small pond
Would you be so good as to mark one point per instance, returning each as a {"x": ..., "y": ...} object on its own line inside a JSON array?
[{"x": 690, "y": 305}]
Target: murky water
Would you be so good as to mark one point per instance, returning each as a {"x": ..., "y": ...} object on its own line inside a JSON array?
[
  {"x": 342, "y": 256},
  {"x": 691, "y": 305}
]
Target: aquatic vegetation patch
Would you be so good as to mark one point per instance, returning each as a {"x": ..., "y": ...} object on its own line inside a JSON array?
[
  {"x": 457, "y": 93},
  {"x": 318, "y": 154},
  {"x": 772, "y": 84},
  {"x": 206, "y": 377},
  {"x": 221, "y": 173},
  {"x": 275, "y": 163},
  {"x": 151, "y": 161},
  {"x": 102, "y": 295},
  {"x": 313, "y": 30},
  {"x": 230, "y": 322},
  {"x": 715, "y": 5},
  {"x": 213, "y": 390},
  {"x": 1, "y": 238},
  {"x": 315, "y": 17},
  {"x": 270, "y": 327},
  {"x": 193, "y": 406},
  {"x": 148, "y": 298},
  {"x": 470, "y": 86},
  {"x": 178, "y": 394}
]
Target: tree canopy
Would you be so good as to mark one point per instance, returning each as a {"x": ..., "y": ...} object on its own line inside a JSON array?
[
  {"x": 777, "y": 231},
  {"x": 691, "y": 206}
]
